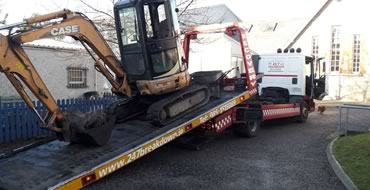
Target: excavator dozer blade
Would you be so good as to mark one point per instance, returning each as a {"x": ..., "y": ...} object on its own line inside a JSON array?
[{"x": 92, "y": 128}]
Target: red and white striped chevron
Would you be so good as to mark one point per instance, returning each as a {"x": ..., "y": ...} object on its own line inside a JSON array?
[
  {"x": 226, "y": 121},
  {"x": 280, "y": 113}
]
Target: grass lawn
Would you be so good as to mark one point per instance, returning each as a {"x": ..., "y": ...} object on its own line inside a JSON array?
[{"x": 353, "y": 153}]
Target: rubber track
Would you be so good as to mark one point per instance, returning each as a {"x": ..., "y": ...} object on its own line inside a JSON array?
[
  {"x": 154, "y": 110},
  {"x": 111, "y": 109}
]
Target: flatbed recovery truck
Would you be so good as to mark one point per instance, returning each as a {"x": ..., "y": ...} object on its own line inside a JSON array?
[
  {"x": 56, "y": 165},
  {"x": 59, "y": 165}
]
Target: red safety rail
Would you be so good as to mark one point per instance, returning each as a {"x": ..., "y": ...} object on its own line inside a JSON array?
[{"x": 234, "y": 31}]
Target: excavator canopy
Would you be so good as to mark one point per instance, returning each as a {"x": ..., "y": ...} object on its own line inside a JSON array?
[{"x": 148, "y": 37}]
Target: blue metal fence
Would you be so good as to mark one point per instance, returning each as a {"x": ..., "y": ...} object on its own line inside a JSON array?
[{"x": 18, "y": 122}]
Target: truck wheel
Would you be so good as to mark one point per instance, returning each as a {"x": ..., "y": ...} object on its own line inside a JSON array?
[
  {"x": 247, "y": 129},
  {"x": 304, "y": 113}
]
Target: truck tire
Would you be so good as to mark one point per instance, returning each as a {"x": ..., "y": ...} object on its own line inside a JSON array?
[
  {"x": 304, "y": 113},
  {"x": 247, "y": 129}
]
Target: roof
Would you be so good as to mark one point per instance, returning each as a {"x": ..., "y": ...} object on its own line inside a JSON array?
[
  {"x": 263, "y": 36},
  {"x": 208, "y": 15},
  {"x": 54, "y": 44},
  {"x": 211, "y": 38},
  {"x": 268, "y": 36}
]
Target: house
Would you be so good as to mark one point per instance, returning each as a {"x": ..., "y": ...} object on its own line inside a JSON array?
[
  {"x": 342, "y": 38},
  {"x": 266, "y": 36},
  {"x": 216, "y": 14},
  {"x": 67, "y": 69},
  {"x": 338, "y": 35}
]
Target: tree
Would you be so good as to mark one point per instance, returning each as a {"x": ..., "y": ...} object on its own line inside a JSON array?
[
  {"x": 2, "y": 17},
  {"x": 189, "y": 14}
]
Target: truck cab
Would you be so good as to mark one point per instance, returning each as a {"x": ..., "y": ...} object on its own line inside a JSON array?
[{"x": 291, "y": 75}]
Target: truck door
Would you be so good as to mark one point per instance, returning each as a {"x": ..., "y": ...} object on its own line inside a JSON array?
[{"x": 319, "y": 82}]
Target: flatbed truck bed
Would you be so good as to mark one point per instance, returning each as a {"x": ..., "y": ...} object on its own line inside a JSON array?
[{"x": 57, "y": 165}]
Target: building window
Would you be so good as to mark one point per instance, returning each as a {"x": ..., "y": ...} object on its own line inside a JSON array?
[
  {"x": 335, "y": 48},
  {"x": 77, "y": 77},
  {"x": 315, "y": 46},
  {"x": 356, "y": 53}
]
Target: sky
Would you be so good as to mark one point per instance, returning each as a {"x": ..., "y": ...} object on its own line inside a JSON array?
[{"x": 247, "y": 10}]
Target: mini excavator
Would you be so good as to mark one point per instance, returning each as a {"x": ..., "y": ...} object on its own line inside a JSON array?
[{"x": 150, "y": 77}]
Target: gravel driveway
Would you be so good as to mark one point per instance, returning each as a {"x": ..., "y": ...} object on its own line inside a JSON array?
[{"x": 285, "y": 155}]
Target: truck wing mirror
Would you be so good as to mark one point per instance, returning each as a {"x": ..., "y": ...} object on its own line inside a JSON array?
[
  {"x": 259, "y": 77},
  {"x": 324, "y": 67}
]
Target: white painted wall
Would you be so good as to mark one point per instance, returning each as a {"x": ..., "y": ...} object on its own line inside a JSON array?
[
  {"x": 351, "y": 16},
  {"x": 52, "y": 66}
]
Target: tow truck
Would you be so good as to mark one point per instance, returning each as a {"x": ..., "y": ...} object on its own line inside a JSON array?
[
  {"x": 65, "y": 165},
  {"x": 57, "y": 165},
  {"x": 72, "y": 162},
  {"x": 291, "y": 82}
]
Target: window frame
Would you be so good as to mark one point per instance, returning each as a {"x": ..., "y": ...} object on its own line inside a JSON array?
[
  {"x": 335, "y": 49},
  {"x": 126, "y": 37},
  {"x": 77, "y": 77},
  {"x": 315, "y": 46},
  {"x": 356, "y": 53}
]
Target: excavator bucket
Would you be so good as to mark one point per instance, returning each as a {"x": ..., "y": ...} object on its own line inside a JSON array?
[{"x": 92, "y": 128}]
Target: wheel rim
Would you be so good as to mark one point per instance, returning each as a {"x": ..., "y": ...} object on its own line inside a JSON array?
[
  {"x": 305, "y": 112},
  {"x": 253, "y": 125}
]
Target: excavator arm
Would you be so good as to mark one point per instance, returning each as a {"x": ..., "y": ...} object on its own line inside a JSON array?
[{"x": 20, "y": 71}]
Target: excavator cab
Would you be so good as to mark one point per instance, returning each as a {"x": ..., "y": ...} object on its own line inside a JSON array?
[{"x": 147, "y": 33}]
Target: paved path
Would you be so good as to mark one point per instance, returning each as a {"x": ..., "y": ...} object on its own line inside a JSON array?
[{"x": 285, "y": 155}]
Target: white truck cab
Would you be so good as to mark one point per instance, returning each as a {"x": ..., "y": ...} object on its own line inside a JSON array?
[
  {"x": 285, "y": 71},
  {"x": 294, "y": 72}
]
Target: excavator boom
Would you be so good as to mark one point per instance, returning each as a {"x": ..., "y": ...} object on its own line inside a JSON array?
[
  {"x": 152, "y": 73},
  {"x": 20, "y": 71},
  {"x": 154, "y": 66}
]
